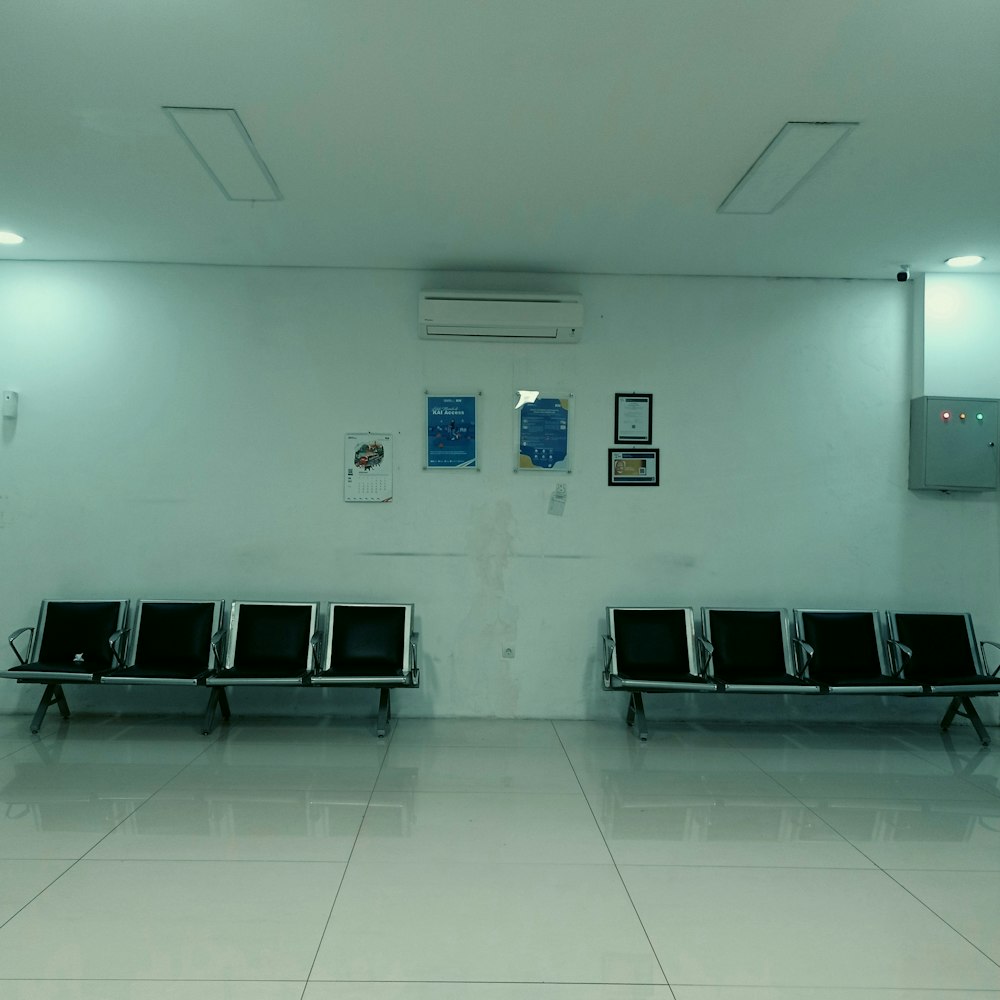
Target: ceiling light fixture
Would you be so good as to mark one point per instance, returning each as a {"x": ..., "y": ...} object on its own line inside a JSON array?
[
  {"x": 970, "y": 260},
  {"x": 10, "y": 239},
  {"x": 222, "y": 145},
  {"x": 791, "y": 156}
]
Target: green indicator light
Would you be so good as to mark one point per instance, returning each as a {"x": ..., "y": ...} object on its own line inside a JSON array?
[{"x": 979, "y": 416}]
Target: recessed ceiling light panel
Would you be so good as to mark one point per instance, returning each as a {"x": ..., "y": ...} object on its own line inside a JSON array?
[
  {"x": 969, "y": 260},
  {"x": 222, "y": 145},
  {"x": 10, "y": 239},
  {"x": 791, "y": 156}
]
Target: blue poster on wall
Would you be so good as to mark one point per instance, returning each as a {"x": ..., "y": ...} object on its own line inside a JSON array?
[
  {"x": 451, "y": 432},
  {"x": 543, "y": 433}
]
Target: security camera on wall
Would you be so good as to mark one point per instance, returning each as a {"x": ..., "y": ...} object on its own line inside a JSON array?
[{"x": 903, "y": 274}]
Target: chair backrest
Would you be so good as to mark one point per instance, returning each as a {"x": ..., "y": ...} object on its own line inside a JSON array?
[
  {"x": 270, "y": 639},
  {"x": 175, "y": 635},
  {"x": 748, "y": 643},
  {"x": 68, "y": 630},
  {"x": 652, "y": 644},
  {"x": 368, "y": 640},
  {"x": 847, "y": 645},
  {"x": 943, "y": 645}
]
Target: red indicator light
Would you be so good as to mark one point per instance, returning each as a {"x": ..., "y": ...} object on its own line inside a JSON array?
[{"x": 946, "y": 415}]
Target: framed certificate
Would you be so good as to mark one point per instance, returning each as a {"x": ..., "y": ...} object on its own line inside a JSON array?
[
  {"x": 633, "y": 467},
  {"x": 633, "y": 418}
]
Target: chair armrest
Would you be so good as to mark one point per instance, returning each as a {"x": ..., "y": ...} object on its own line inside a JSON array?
[
  {"x": 609, "y": 651},
  {"x": 707, "y": 651},
  {"x": 315, "y": 641},
  {"x": 217, "y": 649},
  {"x": 14, "y": 635},
  {"x": 414, "y": 668},
  {"x": 808, "y": 651},
  {"x": 982, "y": 647},
  {"x": 115, "y": 644},
  {"x": 905, "y": 654}
]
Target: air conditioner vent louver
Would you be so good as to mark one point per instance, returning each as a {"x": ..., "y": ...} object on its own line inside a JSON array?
[{"x": 501, "y": 316}]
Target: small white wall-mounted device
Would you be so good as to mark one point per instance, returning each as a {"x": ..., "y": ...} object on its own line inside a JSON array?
[{"x": 9, "y": 403}]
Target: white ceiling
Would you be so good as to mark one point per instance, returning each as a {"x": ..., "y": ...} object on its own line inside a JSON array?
[{"x": 517, "y": 135}]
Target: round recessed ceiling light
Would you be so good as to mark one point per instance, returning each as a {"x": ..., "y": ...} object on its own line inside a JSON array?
[
  {"x": 11, "y": 239},
  {"x": 968, "y": 261}
]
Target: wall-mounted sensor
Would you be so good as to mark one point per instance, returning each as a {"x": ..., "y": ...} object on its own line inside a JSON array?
[{"x": 9, "y": 403}]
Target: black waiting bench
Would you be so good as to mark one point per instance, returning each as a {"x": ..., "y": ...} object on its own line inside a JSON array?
[
  {"x": 815, "y": 652},
  {"x": 186, "y": 643}
]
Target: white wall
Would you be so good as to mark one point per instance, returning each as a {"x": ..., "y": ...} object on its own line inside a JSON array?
[
  {"x": 961, "y": 335},
  {"x": 181, "y": 434}
]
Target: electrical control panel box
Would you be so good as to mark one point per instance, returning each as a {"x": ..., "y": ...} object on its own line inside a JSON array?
[{"x": 953, "y": 443}]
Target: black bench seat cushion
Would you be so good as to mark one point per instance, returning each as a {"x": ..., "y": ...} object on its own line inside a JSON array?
[
  {"x": 651, "y": 645},
  {"x": 944, "y": 651},
  {"x": 74, "y": 639},
  {"x": 984, "y": 685},
  {"x": 85, "y": 669},
  {"x": 271, "y": 642},
  {"x": 174, "y": 639},
  {"x": 179, "y": 673},
  {"x": 848, "y": 652},
  {"x": 367, "y": 641},
  {"x": 769, "y": 680},
  {"x": 749, "y": 649}
]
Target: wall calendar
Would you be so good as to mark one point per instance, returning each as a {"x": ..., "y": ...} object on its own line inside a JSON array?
[{"x": 368, "y": 468}]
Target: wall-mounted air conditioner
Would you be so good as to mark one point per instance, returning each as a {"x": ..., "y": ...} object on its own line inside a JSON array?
[{"x": 512, "y": 317}]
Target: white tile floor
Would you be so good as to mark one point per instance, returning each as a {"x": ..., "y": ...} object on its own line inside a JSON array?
[{"x": 496, "y": 860}]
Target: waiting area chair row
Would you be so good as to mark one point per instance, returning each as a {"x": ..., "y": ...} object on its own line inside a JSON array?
[
  {"x": 178, "y": 642},
  {"x": 819, "y": 652}
]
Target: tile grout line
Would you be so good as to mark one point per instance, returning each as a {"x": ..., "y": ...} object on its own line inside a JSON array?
[
  {"x": 931, "y": 909},
  {"x": 876, "y": 866},
  {"x": 347, "y": 863},
  {"x": 101, "y": 839},
  {"x": 628, "y": 895},
  {"x": 744, "y": 752},
  {"x": 788, "y": 791}
]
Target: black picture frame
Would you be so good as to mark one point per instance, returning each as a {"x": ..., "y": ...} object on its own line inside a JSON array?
[
  {"x": 633, "y": 418},
  {"x": 633, "y": 467}
]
